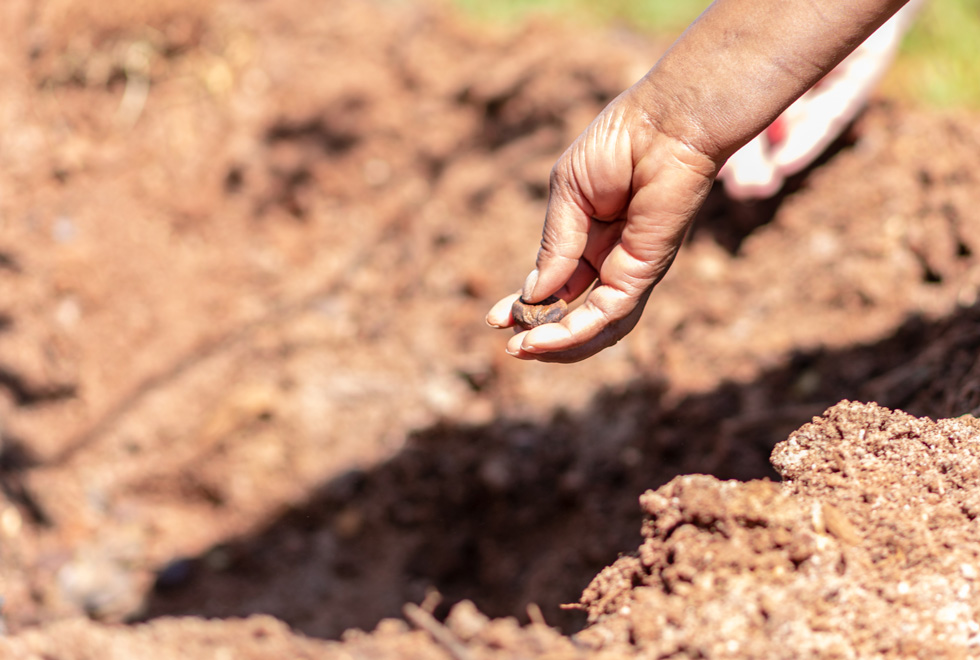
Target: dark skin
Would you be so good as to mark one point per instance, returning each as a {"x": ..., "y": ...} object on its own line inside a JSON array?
[{"x": 625, "y": 192}]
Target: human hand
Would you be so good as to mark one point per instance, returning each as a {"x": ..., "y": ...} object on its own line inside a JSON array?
[
  {"x": 625, "y": 192},
  {"x": 621, "y": 199}
]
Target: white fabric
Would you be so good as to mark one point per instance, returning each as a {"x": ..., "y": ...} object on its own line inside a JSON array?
[{"x": 817, "y": 118}]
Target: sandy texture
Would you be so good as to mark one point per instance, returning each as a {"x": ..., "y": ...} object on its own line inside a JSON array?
[
  {"x": 249, "y": 405},
  {"x": 867, "y": 549}
]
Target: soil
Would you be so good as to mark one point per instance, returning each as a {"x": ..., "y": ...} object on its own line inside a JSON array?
[{"x": 250, "y": 407}]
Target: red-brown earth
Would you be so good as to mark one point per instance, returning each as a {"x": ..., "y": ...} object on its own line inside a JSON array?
[{"x": 248, "y": 401}]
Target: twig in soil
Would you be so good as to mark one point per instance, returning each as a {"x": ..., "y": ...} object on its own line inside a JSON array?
[
  {"x": 443, "y": 635},
  {"x": 431, "y": 600},
  {"x": 535, "y": 615}
]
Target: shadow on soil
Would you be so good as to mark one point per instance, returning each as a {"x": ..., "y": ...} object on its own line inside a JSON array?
[
  {"x": 729, "y": 222},
  {"x": 511, "y": 513}
]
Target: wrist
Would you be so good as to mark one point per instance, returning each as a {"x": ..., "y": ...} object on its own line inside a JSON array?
[
  {"x": 744, "y": 61},
  {"x": 672, "y": 111}
]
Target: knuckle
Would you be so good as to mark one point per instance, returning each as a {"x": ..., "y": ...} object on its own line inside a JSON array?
[
  {"x": 599, "y": 311},
  {"x": 554, "y": 177},
  {"x": 549, "y": 243},
  {"x": 557, "y": 177}
]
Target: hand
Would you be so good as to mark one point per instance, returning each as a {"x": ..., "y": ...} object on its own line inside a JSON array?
[
  {"x": 622, "y": 197},
  {"x": 625, "y": 192}
]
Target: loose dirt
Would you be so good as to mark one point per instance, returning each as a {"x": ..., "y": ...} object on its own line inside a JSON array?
[{"x": 250, "y": 407}]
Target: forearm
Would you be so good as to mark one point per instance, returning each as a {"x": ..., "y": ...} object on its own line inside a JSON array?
[{"x": 744, "y": 61}]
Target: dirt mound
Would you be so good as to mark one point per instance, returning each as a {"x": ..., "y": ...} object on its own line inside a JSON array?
[
  {"x": 245, "y": 253},
  {"x": 823, "y": 564}
]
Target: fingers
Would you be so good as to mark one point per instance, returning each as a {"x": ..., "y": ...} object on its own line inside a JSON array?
[
  {"x": 530, "y": 345},
  {"x": 629, "y": 257},
  {"x": 602, "y": 238},
  {"x": 595, "y": 323},
  {"x": 580, "y": 281},
  {"x": 499, "y": 315},
  {"x": 563, "y": 241},
  {"x": 584, "y": 332},
  {"x": 610, "y": 218},
  {"x": 604, "y": 307},
  {"x": 668, "y": 194}
]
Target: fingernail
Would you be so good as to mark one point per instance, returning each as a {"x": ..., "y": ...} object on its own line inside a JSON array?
[
  {"x": 529, "y": 284},
  {"x": 492, "y": 324}
]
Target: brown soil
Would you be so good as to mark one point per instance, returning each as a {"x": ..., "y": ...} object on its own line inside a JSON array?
[{"x": 248, "y": 400}]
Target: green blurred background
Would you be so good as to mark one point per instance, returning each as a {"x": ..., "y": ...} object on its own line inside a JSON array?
[{"x": 939, "y": 63}]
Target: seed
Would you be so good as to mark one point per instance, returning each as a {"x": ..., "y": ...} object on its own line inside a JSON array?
[{"x": 527, "y": 315}]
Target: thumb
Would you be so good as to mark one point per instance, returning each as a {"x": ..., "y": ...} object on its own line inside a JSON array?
[
  {"x": 563, "y": 242},
  {"x": 590, "y": 183}
]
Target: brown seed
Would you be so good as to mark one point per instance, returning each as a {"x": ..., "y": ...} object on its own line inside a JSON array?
[{"x": 550, "y": 310}]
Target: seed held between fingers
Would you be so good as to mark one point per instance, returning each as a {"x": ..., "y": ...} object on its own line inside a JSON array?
[{"x": 527, "y": 315}]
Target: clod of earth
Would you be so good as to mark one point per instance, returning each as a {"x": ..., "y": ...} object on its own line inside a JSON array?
[{"x": 530, "y": 315}]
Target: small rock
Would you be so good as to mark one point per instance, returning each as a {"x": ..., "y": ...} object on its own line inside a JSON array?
[
  {"x": 466, "y": 620},
  {"x": 175, "y": 574},
  {"x": 99, "y": 586}
]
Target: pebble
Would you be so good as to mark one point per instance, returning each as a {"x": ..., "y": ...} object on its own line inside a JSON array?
[
  {"x": 98, "y": 586},
  {"x": 175, "y": 574}
]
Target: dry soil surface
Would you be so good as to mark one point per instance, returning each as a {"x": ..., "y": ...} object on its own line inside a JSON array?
[{"x": 248, "y": 400}]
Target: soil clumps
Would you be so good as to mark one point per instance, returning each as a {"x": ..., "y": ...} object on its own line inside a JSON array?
[{"x": 231, "y": 426}]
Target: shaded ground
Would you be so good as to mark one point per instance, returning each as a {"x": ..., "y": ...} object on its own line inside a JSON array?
[{"x": 245, "y": 254}]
